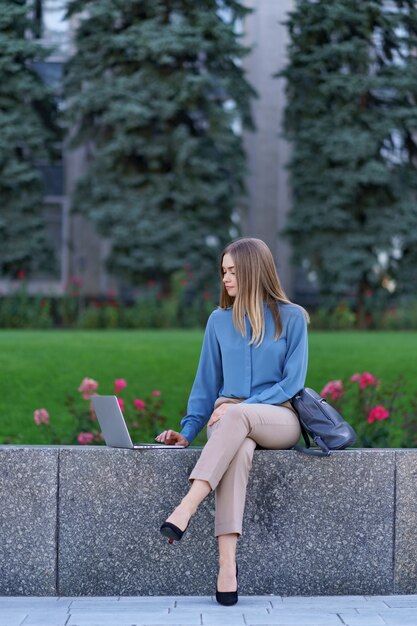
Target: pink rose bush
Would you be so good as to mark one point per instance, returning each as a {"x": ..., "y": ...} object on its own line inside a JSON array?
[
  {"x": 143, "y": 417},
  {"x": 377, "y": 412},
  {"x": 41, "y": 416},
  {"x": 119, "y": 384},
  {"x": 334, "y": 389},
  {"x": 365, "y": 380},
  {"x": 87, "y": 388},
  {"x": 85, "y": 438}
]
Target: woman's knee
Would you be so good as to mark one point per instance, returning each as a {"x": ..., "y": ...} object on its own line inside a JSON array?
[{"x": 235, "y": 412}]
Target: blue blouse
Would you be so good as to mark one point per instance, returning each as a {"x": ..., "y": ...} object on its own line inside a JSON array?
[{"x": 271, "y": 373}]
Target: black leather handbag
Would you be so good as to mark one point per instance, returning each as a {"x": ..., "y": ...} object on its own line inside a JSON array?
[{"x": 322, "y": 423}]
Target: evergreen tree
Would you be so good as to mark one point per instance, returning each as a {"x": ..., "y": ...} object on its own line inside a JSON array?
[
  {"x": 352, "y": 119},
  {"x": 155, "y": 89},
  {"x": 28, "y": 131}
]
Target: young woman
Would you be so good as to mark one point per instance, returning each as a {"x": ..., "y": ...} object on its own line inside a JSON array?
[{"x": 253, "y": 361}]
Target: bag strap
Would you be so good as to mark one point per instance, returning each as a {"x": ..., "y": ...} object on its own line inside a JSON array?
[
  {"x": 324, "y": 450},
  {"x": 305, "y": 435},
  {"x": 311, "y": 452}
]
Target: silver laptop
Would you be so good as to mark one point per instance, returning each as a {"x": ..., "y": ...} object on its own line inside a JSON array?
[{"x": 113, "y": 425}]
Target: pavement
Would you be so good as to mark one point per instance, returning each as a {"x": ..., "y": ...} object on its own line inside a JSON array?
[{"x": 400, "y": 610}]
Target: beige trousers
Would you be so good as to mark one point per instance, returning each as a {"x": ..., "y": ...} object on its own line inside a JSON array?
[{"x": 226, "y": 458}]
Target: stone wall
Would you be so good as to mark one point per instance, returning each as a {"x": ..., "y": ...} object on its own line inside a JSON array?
[{"x": 85, "y": 521}]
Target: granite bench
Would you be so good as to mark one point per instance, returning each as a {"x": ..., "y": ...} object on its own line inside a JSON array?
[{"x": 85, "y": 521}]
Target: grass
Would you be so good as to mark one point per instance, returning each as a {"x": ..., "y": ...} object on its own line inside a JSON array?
[{"x": 39, "y": 368}]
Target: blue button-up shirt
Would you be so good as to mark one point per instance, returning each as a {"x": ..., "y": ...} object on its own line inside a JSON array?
[{"x": 229, "y": 366}]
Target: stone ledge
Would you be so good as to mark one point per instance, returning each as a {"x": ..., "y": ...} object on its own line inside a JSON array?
[{"x": 85, "y": 521}]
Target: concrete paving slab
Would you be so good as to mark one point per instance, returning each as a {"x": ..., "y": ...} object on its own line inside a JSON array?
[
  {"x": 330, "y": 602},
  {"x": 405, "y": 617},
  {"x": 33, "y": 621},
  {"x": 355, "y": 619},
  {"x": 401, "y": 603},
  {"x": 205, "y": 611},
  {"x": 210, "y": 619},
  {"x": 40, "y": 618},
  {"x": 39, "y": 601},
  {"x": 294, "y": 617},
  {"x": 408, "y": 596},
  {"x": 125, "y": 618},
  {"x": 98, "y": 620},
  {"x": 194, "y": 601},
  {"x": 150, "y": 600},
  {"x": 12, "y": 620},
  {"x": 117, "y": 604},
  {"x": 14, "y": 614}
]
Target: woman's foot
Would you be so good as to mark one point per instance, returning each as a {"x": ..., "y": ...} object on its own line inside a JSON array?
[
  {"x": 180, "y": 517},
  {"x": 177, "y": 523},
  {"x": 228, "y": 593}
]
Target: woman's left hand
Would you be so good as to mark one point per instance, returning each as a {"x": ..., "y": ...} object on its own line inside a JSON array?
[{"x": 218, "y": 413}]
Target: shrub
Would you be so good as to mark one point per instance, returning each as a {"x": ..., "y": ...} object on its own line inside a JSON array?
[
  {"x": 381, "y": 414},
  {"x": 143, "y": 416},
  {"x": 179, "y": 307}
]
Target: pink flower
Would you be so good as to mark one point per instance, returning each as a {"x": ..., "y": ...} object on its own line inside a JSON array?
[
  {"x": 135, "y": 424},
  {"x": 377, "y": 413},
  {"x": 334, "y": 389},
  {"x": 41, "y": 416},
  {"x": 139, "y": 404},
  {"x": 121, "y": 403},
  {"x": 88, "y": 387},
  {"x": 119, "y": 384},
  {"x": 85, "y": 438},
  {"x": 367, "y": 379},
  {"x": 156, "y": 393}
]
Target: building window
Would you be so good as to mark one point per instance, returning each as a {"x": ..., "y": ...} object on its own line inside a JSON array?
[{"x": 51, "y": 25}]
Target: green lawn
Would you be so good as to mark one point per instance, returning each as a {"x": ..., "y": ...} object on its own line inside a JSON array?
[{"x": 40, "y": 367}]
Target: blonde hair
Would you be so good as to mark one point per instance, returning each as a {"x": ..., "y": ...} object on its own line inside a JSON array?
[{"x": 257, "y": 283}]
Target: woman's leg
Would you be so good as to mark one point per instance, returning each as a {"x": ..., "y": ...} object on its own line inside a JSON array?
[
  {"x": 226, "y": 580},
  {"x": 188, "y": 505},
  {"x": 271, "y": 426},
  {"x": 231, "y": 491},
  {"x": 230, "y": 500}
]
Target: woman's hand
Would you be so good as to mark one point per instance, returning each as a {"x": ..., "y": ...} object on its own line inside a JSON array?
[
  {"x": 172, "y": 438},
  {"x": 218, "y": 413}
]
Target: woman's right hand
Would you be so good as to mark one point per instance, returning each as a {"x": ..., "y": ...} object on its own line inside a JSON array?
[{"x": 172, "y": 438}]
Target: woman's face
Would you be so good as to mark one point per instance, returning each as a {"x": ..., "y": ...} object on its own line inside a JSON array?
[{"x": 229, "y": 275}]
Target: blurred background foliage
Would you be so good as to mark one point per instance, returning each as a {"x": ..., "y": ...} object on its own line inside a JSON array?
[
  {"x": 29, "y": 130},
  {"x": 351, "y": 118},
  {"x": 155, "y": 94},
  {"x": 154, "y": 90}
]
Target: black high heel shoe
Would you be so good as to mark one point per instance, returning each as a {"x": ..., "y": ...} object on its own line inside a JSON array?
[
  {"x": 172, "y": 532},
  {"x": 228, "y": 598}
]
